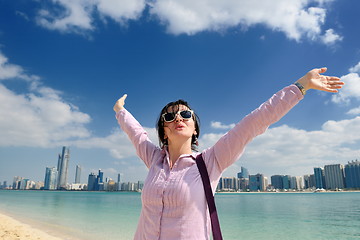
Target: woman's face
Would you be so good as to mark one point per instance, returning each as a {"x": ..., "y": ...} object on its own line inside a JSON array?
[{"x": 180, "y": 128}]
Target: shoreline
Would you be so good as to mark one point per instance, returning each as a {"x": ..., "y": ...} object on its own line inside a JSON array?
[
  {"x": 17, "y": 227},
  {"x": 13, "y": 229}
]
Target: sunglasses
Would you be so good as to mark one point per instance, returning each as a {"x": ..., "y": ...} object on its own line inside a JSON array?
[{"x": 185, "y": 114}]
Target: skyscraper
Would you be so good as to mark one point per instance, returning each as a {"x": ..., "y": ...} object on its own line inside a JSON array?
[
  {"x": 334, "y": 176},
  {"x": 91, "y": 182},
  {"x": 277, "y": 181},
  {"x": 319, "y": 178},
  {"x": 257, "y": 182},
  {"x": 78, "y": 174},
  {"x": 352, "y": 174},
  {"x": 50, "y": 178},
  {"x": 62, "y": 168},
  {"x": 244, "y": 173},
  {"x": 286, "y": 181}
]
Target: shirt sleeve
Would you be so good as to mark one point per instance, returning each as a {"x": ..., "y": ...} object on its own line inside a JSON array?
[
  {"x": 145, "y": 149},
  {"x": 231, "y": 146}
]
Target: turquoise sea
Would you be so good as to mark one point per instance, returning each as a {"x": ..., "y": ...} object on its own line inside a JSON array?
[{"x": 110, "y": 216}]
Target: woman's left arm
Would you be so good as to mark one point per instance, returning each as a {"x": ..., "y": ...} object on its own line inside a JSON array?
[{"x": 230, "y": 146}]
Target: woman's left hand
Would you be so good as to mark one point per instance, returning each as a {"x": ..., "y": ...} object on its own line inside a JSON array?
[{"x": 314, "y": 80}]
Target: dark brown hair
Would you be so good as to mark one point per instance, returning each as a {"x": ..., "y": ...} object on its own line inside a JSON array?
[{"x": 175, "y": 107}]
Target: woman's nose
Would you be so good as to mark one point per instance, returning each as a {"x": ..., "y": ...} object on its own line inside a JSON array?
[{"x": 178, "y": 118}]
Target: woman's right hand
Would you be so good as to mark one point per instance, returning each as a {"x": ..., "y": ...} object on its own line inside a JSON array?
[{"x": 119, "y": 105}]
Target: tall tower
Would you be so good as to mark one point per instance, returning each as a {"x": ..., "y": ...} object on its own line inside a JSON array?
[
  {"x": 334, "y": 176},
  {"x": 78, "y": 174},
  {"x": 63, "y": 163},
  {"x": 50, "y": 178}
]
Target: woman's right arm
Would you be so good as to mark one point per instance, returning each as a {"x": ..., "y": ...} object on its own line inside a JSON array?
[{"x": 145, "y": 149}]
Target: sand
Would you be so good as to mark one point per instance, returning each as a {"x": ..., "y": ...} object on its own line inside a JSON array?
[{"x": 11, "y": 229}]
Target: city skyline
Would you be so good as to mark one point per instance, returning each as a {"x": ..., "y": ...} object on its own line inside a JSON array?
[{"x": 53, "y": 177}]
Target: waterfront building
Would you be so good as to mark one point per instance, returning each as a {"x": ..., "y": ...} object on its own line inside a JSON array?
[
  {"x": 62, "y": 168},
  {"x": 286, "y": 181},
  {"x": 78, "y": 174},
  {"x": 4, "y": 186},
  {"x": 16, "y": 182},
  {"x": 110, "y": 185},
  {"x": 257, "y": 182},
  {"x": 334, "y": 176},
  {"x": 352, "y": 174},
  {"x": 319, "y": 178},
  {"x": 78, "y": 186},
  {"x": 51, "y": 175},
  {"x": 24, "y": 184},
  {"x": 277, "y": 181},
  {"x": 99, "y": 186},
  {"x": 140, "y": 186},
  {"x": 91, "y": 182},
  {"x": 309, "y": 181},
  {"x": 244, "y": 173},
  {"x": 243, "y": 184}
]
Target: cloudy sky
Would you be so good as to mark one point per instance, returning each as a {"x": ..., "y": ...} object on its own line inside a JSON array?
[{"x": 63, "y": 64}]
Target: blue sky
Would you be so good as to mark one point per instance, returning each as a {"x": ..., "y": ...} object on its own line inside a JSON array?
[{"x": 63, "y": 64}]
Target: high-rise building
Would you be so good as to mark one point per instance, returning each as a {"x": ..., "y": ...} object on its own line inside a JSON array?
[
  {"x": 309, "y": 181},
  {"x": 17, "y": 182},
  {"x": 50, "y": 178},
  {"x": 99, "y": 186},
  {"x": 286, "y": 181},
  {"x": 78, "y": 174},
  {"x": 244, "y": 173},
  {"x": 334, "y": 176},
  {"x": 62, "y": 168},
  {"x": 352, "y": 174},
  {"x": 257, "y": 182},
  {"x": 277, "y": 181},
  {"x": 91, "y": 182},
  {"x": 319, "y": 178}
]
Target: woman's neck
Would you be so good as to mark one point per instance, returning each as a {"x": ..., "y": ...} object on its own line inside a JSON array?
[{"x": 176, "y": 150}]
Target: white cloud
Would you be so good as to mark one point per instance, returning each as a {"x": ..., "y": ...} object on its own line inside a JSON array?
[
  {"x": 9, "y": 71},
  {"x": 354, "y": 111},
  {"x": 38, "y": 120},
  {"x": 294, "y": 18},
  {"x": 39, "y": 117},
  {"x": 219, "y": 125},
  {"x": 331, "y": 37},
  {"x": 78, "y": 16},
  {"x": 355, "y": 69},
  {"x": 121, "y": 11},
  {"x": 351, "y": 89},
  {"x": 297, "y": 19}
]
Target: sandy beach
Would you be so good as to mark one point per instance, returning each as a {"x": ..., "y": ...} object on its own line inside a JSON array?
[{"x": 11, "y": 229}]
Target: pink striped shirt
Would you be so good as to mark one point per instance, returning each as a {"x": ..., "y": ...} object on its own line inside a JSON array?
[{"x": 173, "y": 200}]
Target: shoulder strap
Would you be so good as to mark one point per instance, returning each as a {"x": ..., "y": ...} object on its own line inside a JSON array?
[{"x": 215, "y": 224}]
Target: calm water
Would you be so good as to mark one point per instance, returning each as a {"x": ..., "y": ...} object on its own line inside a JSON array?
[{"x": 110, "y": 216}]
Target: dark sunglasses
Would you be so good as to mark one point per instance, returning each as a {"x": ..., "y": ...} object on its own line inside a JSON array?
[{"x": 185, "y": 114}]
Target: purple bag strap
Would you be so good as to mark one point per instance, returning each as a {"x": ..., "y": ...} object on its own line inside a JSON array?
[{"x": 215, "y": 224}]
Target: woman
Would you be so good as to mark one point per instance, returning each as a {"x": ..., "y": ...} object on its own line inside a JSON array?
[{"x": 173, "y": 199}]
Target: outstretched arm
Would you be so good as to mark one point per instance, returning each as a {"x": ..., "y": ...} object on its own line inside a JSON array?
[
  {"x": 144, "y": 147},
  {"x": 314, "y": 80},
  {"x": 231, "y": 145}
]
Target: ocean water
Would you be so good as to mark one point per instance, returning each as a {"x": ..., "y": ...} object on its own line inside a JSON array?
[{"x": 110, "y": 216}]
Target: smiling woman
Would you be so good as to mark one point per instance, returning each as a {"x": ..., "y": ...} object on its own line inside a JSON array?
[{"x": 174, "y": 205}]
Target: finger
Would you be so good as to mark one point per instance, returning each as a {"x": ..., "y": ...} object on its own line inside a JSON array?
[
  {"x": 322, "y": 70},
  {"x": 124, "y": 97}
]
